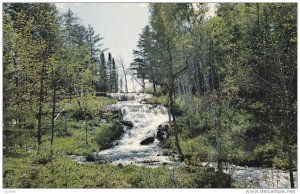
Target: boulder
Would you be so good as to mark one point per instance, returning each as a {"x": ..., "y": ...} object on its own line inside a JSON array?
[
  {"x": 90, "y": 158},
  {"x": 147, "y": 141},
  {"x": 126, "y": 123},
  {"x": 162, "y": 131},
  {"x": 166, "y": 153}
]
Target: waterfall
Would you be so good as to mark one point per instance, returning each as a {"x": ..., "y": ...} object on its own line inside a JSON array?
[{"x": 145, "y": 119}]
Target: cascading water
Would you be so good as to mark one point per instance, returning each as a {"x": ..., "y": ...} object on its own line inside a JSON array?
[{"x": 145, "y": 119}]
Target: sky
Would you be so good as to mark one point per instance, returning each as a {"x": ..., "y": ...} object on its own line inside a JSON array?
[{"x": 119, "y": 23}]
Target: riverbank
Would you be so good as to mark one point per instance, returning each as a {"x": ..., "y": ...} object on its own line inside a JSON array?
[
  {"x": 65, "y": 165},
  {"x": 54, "y": 167}
]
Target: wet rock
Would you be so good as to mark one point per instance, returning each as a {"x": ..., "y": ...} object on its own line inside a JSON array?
[
  {"x": 148, "y": 161},
  {"x": 112, "y": 108},
  {"x": 122, "y": 97},
  {"x": 162, "y": 132},
  {"x": 126, "y": 123},
  {"x": 147, "y": 141},
  {"x": 101, "y": 94},
  {"x": 101, "y": 162},
  {"x": 210, "y": 169},
  {"x": 166, "y": 153},
  {"x": 90, "y": 158}
]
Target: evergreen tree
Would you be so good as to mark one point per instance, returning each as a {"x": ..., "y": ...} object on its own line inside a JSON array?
[
  {"x": 114, "y": 78},
  {"x": 103, "y": 74}
]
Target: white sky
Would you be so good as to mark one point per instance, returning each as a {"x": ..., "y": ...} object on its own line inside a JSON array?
[{"x": 119, "y": 24}]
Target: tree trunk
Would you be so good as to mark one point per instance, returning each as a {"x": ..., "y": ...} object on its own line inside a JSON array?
[
  {"x": 174, "y": 124},
  {"x": 290, "y": 163},
  {"x": 154, "y": 88},
  {"x": 53, "y": 113},
  {"x": 219, "y": 154},
  {"x": 39, "y": 136},
  {"x": 86, "y": 132}
]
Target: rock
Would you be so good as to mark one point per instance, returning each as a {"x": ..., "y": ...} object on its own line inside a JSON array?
[
  {"x": 177, "y": 111},
  {"x": 166, "y": 153},
  {"x": 111, "y": 108},
  {"x": 188, "y": 158},
  {"x": 101, "y": 94},
  {"x": 90, "y": 158},
  {"x": 148, "y": 161},
  {"x": 163, "y": 131},
  {"x": 210, "y": 169},
  {"x": 126, "y": 123},
  {"x": 101, "y": 162},
  {"x": 147, "y": 141}
]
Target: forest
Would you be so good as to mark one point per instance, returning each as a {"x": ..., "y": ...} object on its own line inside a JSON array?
[{"x": 227, "y": 81}]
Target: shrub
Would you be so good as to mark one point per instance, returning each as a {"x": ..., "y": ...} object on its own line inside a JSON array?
[
  {"x": 263, "y": 155},
  {"x": 109, "y": 134},
  {"x": 62, "y": 128},
  {"x": 43, "y": 156},
  {"x": 200, "y": 149}
]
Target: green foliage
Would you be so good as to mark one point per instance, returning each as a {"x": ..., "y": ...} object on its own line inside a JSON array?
[
  {"x": 159, "y": 91},
  {"x": 65, "y": 173},
  {"x": 108, "y": 134},
  {"x": 200, "y": 148},
  {"x": 231, "y": 78},
  {"x": 93, "y": 107},
  {"x": 263, "y": 154},
  {"x": 163, "y": 100}
]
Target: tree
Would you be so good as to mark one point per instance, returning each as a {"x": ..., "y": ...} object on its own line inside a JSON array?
[
  {"x": 103, "y": 74},
  {"x": 109, "y": 64},
  {"x": 168, "y": 56},
  {"x": 114, "y": 78},
  {"x": 44, "y": 30}
]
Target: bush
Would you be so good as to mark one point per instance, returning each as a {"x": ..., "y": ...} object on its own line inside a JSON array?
[
  {"x": 199, "y": 148},
  {"x": 93, "y": 105},
  {"x": 109, "y": 134},
  {"x": 263, "y": 155},
  {"x": 62, "y": 128},
  {"x": 43, "y": 156}
]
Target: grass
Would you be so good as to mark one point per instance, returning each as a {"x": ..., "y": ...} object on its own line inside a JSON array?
[
  {"x": 62, "y": 172},
  {"x": 163, "y": 100}
]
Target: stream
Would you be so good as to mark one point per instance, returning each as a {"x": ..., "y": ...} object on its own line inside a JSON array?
[{"x": 145, "y": 119}]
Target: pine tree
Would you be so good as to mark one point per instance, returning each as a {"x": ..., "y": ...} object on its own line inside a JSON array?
[
  {"x": 103, "y": 74},
  {"x": 114, "y": 77}
]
